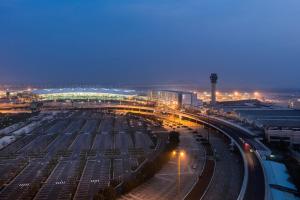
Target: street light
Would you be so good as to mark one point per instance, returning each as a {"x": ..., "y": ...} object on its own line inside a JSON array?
[
  {"x": 208, "y": 130},
  {"x": 180, "y": 155},
  {"x": 174, "y": 153}
]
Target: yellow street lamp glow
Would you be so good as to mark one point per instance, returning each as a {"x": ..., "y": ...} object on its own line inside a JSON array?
[
  {"x": 181, "y": 153},
  {"x": 174, "y": 153},
  {"x": 236, "y": 93}
]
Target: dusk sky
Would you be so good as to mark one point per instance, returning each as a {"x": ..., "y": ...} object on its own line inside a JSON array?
[{"x": 254, "y": 43}]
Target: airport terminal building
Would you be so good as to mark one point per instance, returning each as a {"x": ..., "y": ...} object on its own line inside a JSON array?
[{"x": 84, "y": 94}]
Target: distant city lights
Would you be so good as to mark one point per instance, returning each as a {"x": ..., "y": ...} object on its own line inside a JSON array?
[{"x": 230, "y": 96}]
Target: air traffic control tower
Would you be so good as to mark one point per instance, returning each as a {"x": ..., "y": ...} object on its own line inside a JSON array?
[{"x": 213, "y": 81}]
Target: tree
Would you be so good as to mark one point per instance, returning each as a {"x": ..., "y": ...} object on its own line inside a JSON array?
[
  {"x": 109, "y": 193},
  {"x": 174, "y": 138},
  {"x": 129, "y": 185},
  {"x": 99, "y": 196}
]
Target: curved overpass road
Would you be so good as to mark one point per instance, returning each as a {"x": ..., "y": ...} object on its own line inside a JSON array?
[{"x": 256, "y": 184}]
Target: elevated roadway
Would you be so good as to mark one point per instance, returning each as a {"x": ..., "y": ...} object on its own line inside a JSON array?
[{"x": 255, "y": 188}]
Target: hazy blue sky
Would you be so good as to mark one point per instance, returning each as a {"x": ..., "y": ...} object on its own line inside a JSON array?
[{"x": 247, "y": 42}]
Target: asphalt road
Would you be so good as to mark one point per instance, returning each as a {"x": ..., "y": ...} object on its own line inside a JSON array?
[
  {"x": 256, "y": 183},
  {"x": 229, "y": 170}
]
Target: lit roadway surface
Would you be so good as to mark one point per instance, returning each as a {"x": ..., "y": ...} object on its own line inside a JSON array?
[
  {"x": 165, "y": 184},
  {"x": 256, "y": 185}
]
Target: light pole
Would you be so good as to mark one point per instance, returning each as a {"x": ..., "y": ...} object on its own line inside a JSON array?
[
  {"x": 180, "y": 155},
  {"x": 208, "y": 130}
]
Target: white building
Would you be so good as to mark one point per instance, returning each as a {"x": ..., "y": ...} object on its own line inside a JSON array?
[
  {"x": 176, "y": 99},
  {"x": 286, "y": 135},
  {"x": 279, "y": 125}
]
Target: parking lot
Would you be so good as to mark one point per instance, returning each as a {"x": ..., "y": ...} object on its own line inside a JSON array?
[
  {"x": 89, "y": 149},
  {"x": 95, "y": 176}
]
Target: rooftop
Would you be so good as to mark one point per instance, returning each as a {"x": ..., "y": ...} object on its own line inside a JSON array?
[
  {"x": 272, "y": 117},
  {"x": 279, "y": 180},
  {"x": 84, "y": 90}
]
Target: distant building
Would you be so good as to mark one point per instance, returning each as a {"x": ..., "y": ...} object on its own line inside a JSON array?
[
  {"x": 7, "y": 94},
  {"x": 280, "y": 125},
  {"x": 295, "y": 104},
  {"x": 213, "y": 80},
  {"x": 283, "y": 135},
  {"x": 84, "y": 94},
  {"x": 175, "y": 99},
  {"x": 26, "y": 96}
]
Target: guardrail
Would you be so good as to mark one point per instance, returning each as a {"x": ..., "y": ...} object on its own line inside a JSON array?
[
  {"x": 258, "y": 155},
  {"x": 246, "y": 173},
  {"x": 267, "y": 187}
]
